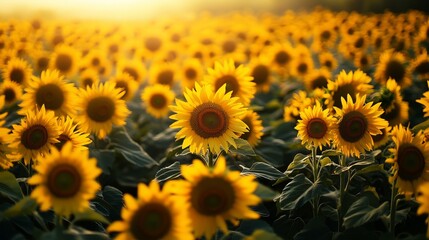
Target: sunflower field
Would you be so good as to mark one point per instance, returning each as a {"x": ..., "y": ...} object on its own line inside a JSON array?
[{"x": 300, "y": 125}]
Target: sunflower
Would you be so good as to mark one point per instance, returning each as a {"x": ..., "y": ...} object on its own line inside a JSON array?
[
  {"x": 317, "y": 78},
  {"x": 281, "y": 55},
  {"x": 157, "y": 98},
  {"x": 410, "y": 160},
  {"x": 420, "y": 65},
  {"x": 64, "y": 59},
  {"x": 362, "y": 60},
  {"x": 357, "y": 122},
  {"x": 134, "y": 67},
  {"x": 208, "y": 119},
  {"x": 17, "y": 70},
  {"x": 351, "y": 83},
  {"x": 126, "y": 83},
  {"x": 391, "y": 65},
  {"x": 395, "y": 108},
  {"x": 191, "y": 71},
  {"x": 35, "y": 134},
  {"x": 66, "y": 180},
  {"x": 88, "y": 77},
  {"x": 328, "y": 60},
  {"x": 70, "y": 133},
  {"x": 425, "y": 102},
  {"x": 260, "y": 70},
  {"x": 99, "y": 107},
  {"x": 155, "y": 214},
  {"x": 301, "y": 66},
  {"x": 315, "y": 126},
  {"x": 381, "y": 139},
  {"x": 7, "y": 156},
  {"x": 216, "y": 195},
  {"x": 41, "y": 61},
  {"x": 237, "y": 80},
  {"x": 253, "y": 122},
  {"x": 163, "y": 73},
  {"x": 423, "y": 200},
  {"x": 11, "y": 91},
  {"x": 49, "y": 90},
  {"x": 298, "y": 102}
]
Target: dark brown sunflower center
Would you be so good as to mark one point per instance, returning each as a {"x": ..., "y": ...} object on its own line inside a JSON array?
[
  {"x": 151, "y": 221},
  {"x": 34, "y": 137},
  {"x": 353, "y": 126},
  {"x": 260, "y": 74},
  {"x": 411, "y": 162},
  {"x": 87, "y": 82},
  {"x": 359, "y": 43},
  {"x": 64, "y": 181},
  {"x": 95, "y": 62},
  {"x": 395, "y": 70},
  {"x": 319, "y": 82},
  {"x": 113, "y": 48},
  {"x": 190, "y": 73},
  {"x": 209, "y": 120},
  {"x": 229, "y": 46},
  {"x": 158, "y": 101},
  {"x": 249, "y": 124},
  {"x": 378, "y": 42},
  {"x": 100, "y": 109},
  {"x": 124, "y": 86},
  {"x": 212, "y": 196},
  {"x": 42, "y": 63},
  {"x": 9, "y": 95},
  {"x": 63, "y": 62},
  {"x": 132, "y": 72},
  {"x": 325, "y": 35},
  {"x": 302, "y": 68},
  {"x": 231, "y": 84},
  {"x": 328, "y": 63},
  {"x": 316, "y": 128},
  {"x": 422, "y": 68},
  {"x": 17, "y": 75},
  {"x": 342, "y": 91},
  {"x": 363, "y": 60},
  {"x": 62, "y": 140},
  {"x": 282, "y": 58},
  {"x": 153, "y": 44},
  {"x": 165, "y": 77},
  {"x": 51, "y": 96}
]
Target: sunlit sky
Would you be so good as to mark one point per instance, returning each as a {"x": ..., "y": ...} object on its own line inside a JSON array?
[{"x": 119, "y": 9}]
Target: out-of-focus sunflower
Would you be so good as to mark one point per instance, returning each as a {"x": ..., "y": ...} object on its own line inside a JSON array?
[
  {"x": 281, "y": 55},
  {"x": 296, "y": 104},
  {"x": 357, "y": 121},
  {"x": 126, "y": 83},
  {"x": 328, "y": 60},
  {"x": 378, "y": 41},
  {"x": 216, "y": 195},
  {"x": 6, "y": 55},
  {"x": 11, "y": 91},
  {"x": 425, "y": 102},
  {"x": 155, "y": 214},
  {"x": 163, "y": 73},
  {"x": 420, "y": 65},
  {"x": 153, "y": 43},
  {"x": 17, "y": 70},
  {"x": 70, "y": 133},
  {"x": 7, "y": 156},
  {"x": 301, "y": 66},
  {"x": 395, "y": 108},
  {"x": 317, "y": 79},
  {"x": 410, "y": 160},
  {"x": 88, "y": 77},
  {"x": 315, "y": 126},
  {"x": 134, "y": 67},
  {"x": 49, "y": 90},
  {"x": 260, "y": 70},
  {"x": 362, "y": 60},
  {"x": 99, "y": 107},
  {"x": 65, "y": 180},
  {"x": 351, "y": 83},
  {"x": 41, "y": 61},
  {"x": 237, "y": 80},
  {"x": 324, "y": 37},
  {"x": 191, "y": 71},
  {"x": 254, "y": 123},
  {"x": 35, "y": 134},
  {"x": 157, "y": 98},
  {"x": 423, "y": 199},
  {"x": 391, "y": 65},
  {"x": 381, "y": 139},
  {"x": 65, "y": 59},
  {"x": 208, "y": 120},
  {"x": 97, "y": 59}
]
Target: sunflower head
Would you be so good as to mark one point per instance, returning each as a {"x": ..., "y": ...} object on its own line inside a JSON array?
[
  {"x": 70, "y": 133},
  {"x": 11, "y": 91},
  {"x": 127, "y": 84},
  {"x": 157, "y": 98},
  {"x": 392, "y": 65},
  {"x": 65, "y": 59},
  {"x": 253, "y": 122},
  {"x": 17, "y": 70}
]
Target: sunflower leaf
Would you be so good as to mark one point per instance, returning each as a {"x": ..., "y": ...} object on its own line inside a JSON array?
[
  {"x": 169, "y": 172},
  {"x": 9, "y": 186},
  {"x": 361, "y": 211},
  {"x": 265, "y": 193},
  {"x": 243, "y": 148},
  {"x": 90, "y": 214},
  {"x": 24, "y": 207},
  {"x": 263, "y": 170},
  {"x": 421, "y": 126}
]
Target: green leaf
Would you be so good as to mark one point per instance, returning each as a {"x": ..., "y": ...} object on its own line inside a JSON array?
[
  {"x": 371, "y": 168},
  {"x": 263, "y": 170},
  {"x": 25, "y": 206},
  {"x": 243, "y": 148},
  {"x": 331, "y": 153},
  {"x": 131, "y": 150},
  {"x": 300, "y": 161},
  {"x": 299, "y": 191},
  {"x": 265, "y": 193},
  {"x": 91, "y": 215},
  {"x": 352, "y": 166},
  {"x": 9, "y": 186},
  {"x": 169, "y": 172},
  {"x": 420, "y": 127},
  {"x": 105, "y": 158},
  {"x": 264, "y": 235},
  {"x": 361, "y": 211}
]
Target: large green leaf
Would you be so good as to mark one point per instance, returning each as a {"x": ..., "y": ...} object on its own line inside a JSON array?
[
  {"x": 243, "y": 148},
  {"x": 263, "y": 170},
  {"x": 265, "y": 193},
  {"x": 105, "y": 158},
  {"x": 9, "y": 186},
  {"x": 90, "y": 215},
  {"x": 362, "y": 211},
  {"x": 169, "y": 172},
  {"x": 24, "y": 207}
]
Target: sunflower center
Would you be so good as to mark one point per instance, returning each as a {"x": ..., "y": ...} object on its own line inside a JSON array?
[
  {"x": 325, "y": 35},
  {"x": 42, "y": 63},
  {"x": 229, "y": 46},
  {"x": 101, "y": 109},
  {"x": 328, "y": 63},
  {"x": 34, "y": 137},
  {"x": 87, "y": 82},
  {"x": 319, "y": 82},
  {"x": 95, "y": 62},
  {"x": 158, "y": 101},
  {"x": 411, "y": 162},
  {"x": 249, "y": 124},
  {"x": 422, "y": 68},
  {"x": 124, "y": 86},
  {"x": 209, "y": 120},
  {"x": 63, "y": 138},
  {"x": 342, "y": 91},
  {"x": 395, "y": 70},
  {"x": 51, "y": 96},
  {"x": 153, "y": 44},
  {"x": 260, "y": 74},
  {"x": 378, "y": 42},
  {"x": 363, "y": 61},
  {"x": 427, "y": 33},
  {"x": 316, "y": 128},
  {"x": 17, "y": 75},
  {"x": 63, "y": 62},
  {"x": 132, "y": 72},
  {"x": 302, "y": 68},
  {"x": 359, "y": 43},
  {"x": 282, "y": 58},
  {"x": 353, "y": 126},
  {"x": 165, "y": 77},
  {"x": 212, "y": 196},
  {"x": 151, "y": 221},
  {"x": 231, "y": 84},
  {"x": 9, "y": 95},
  {"x": 190, "y": 73},
  {"x": 64, "y": 181}
]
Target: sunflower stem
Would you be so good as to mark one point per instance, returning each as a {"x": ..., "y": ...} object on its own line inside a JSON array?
[
  {"x": 341, "y": 196},
  {"x": 210, "y": 159},
  {"x": 393, "y": 203},
  {"x": 315, "y": 168},
  {"x": 58, "y": 221}
]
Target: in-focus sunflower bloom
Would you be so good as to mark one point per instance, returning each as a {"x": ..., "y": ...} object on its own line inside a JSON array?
[
  {"x": 315, "y": 126},
  {"x": 357, "y": 122},
  {"x": 99, "y": 107},
  {"x": 423, "y": 200},
  {"x": 216, "y": 195},
  {"x": 254, "y": 123},
  {"x": 35, "y": 134},
  {"x": 410, "y": 160},
  {"x": 157, "y": 98},
  {"x": 237, "y": 80},
  {"x": 70, "y": 133},
  {"x": 208, "y": 120},
  {"x": 11, "y": 91},
  {"x": 155, "y": 214},
  {"x": 50, "y": 90},
  {"x": 66, "y": 180},
  {"x": 17, "y": 70}
]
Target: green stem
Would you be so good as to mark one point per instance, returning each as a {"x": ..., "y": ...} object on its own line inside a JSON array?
[
  {"x": 58, "y": 221},
  {"x": 393, "y": 207},
  {"x": 211, "y": 162},
  {"x": 342, "y": 161},
  {"x": 315, "y": 168}
]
